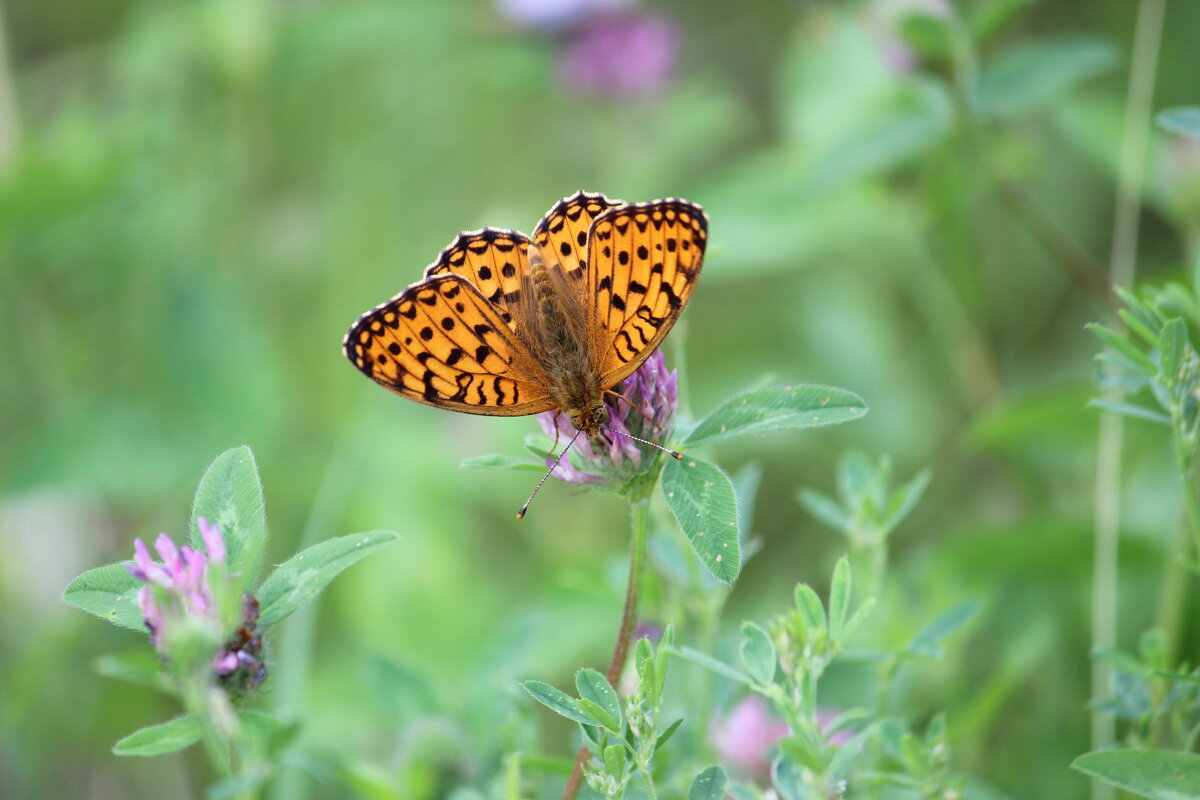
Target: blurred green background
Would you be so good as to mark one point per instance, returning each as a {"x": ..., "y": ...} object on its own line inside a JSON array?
[{"x": 198, "y": 198}]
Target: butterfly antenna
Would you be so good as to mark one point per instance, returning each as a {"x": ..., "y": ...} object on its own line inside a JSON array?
[
  {"x": 667, "y": 450},
  {"x": 549, "y": 472}
]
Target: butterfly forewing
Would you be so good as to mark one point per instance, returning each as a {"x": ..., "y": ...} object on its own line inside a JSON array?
[
  {"x": 495, "y": 260},
  {"x": 442, "y": 343},
  {"x": 644, "y": 260},
  {"x": 562, "y": 235}
]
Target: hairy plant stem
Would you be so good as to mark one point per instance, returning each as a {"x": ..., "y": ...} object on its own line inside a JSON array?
[
  {"x": 210, "y": 707},
  {"x": 219, "y": 754},
  {"x": 1147, "y": 39},
  {"x": 641, "y": 525},
  {"x": 648, "y": 781},
  {"x": 640, "y": 522}
]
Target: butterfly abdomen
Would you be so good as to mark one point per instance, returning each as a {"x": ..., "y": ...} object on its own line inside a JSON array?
[{"x": 558, "y": 330}]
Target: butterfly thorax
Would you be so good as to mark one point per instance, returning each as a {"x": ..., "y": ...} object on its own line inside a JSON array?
[{"x": 556, "y": 325}]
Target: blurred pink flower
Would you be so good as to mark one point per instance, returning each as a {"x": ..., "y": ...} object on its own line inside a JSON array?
[
  {"x": 621, "y": 55},
  {"x": 745, "y": 738},
  {"x": 824, "y": 719}
]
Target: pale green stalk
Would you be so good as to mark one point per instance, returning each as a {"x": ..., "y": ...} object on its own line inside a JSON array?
[
  {"x": 1147, "y": 38},
  {"x": 9, "y": 128}
]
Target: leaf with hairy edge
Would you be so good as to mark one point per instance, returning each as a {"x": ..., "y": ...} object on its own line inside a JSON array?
[
  {"x": 497, "y": 461},
  {"x": 594, "y": 687},
  {"x": 304, "y": 575},
  {"x": 702, "y": 500},
  {"x": 230, "y": 496},
  {"x": 709, "y": 784},
  {"x": 110, "y": 593},
  {"x": 156, "y": 740},
  {"x": 778, "y": 408},
  {"x": 557, "y": 701},
  {"x": 1157, "y": 774}
]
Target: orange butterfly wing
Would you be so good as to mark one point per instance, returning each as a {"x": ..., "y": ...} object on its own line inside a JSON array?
[
  {"x": 644, "y": 259},
  {"x": 442, "y": 343},
  {"x": 495, "y": 260},
  {"x": 562, "y": 234}
]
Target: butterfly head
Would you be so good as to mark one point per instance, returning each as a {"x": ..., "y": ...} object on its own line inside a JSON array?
[{"x": 589, "y": 417}]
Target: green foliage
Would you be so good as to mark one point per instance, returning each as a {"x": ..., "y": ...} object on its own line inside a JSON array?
[
  {"x": 109, "y": 592},
  {"x": 622, "y": 743},
  {"x": 230, "y": 491},
  {"x": 1036, "y": 75},
  {"x": 702, "y": 500},
  {"x": 1153, "y": 373},
  {"x": 306, "y": 574},
  {"x": 868, "y": 509},
  {"x": 1157, "y": 361},
  {"x": 1159, "y": 701},
  {"x": 699, "y": 494},
  {"x": 760, "y": 411},
  {"x": 160, "y": 739},
  {"x": 557, "y": 701},
  {"x": 928, "y": 643},
  {"x": 1184, "y": 120},
  {"x": 758, "y": 654},
  {"x": 1157, "y": 774},
  {"x": 817, "y": 756},
  {"x": 230, "y": 496},
  {"x": 708, "y": 785}
]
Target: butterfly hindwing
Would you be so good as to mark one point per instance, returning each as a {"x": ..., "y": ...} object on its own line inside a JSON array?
[
  {"x": 562, "y": 234},
  {"x": 644, "y": 260},
  {"x": 442, "y": 343}
]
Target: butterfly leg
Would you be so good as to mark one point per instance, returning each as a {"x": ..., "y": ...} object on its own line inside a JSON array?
[{"x": 554, "y": 446}]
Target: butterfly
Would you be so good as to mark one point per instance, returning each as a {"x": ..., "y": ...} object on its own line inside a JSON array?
[{"x": 507, "y": 324}]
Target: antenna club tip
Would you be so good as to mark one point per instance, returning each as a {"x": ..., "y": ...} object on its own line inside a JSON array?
[
  {"x": 677, "y": 456},
  {"x": 521, "y": 513}
]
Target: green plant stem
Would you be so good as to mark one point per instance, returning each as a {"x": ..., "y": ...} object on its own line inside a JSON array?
[
  {"x": 640, "y": 522},
  {"x": 648, "y": 781},
  {"x": 1147, "y": 39},
  {"x": 633, "y": 590},
  {"x": 868, "y": 558},
  {"x": 9, "y": 123},
  {"x": 208, "y": 705},
  {"x": 219, "y": 755},
  {"x": 1184, "y": 463}
]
